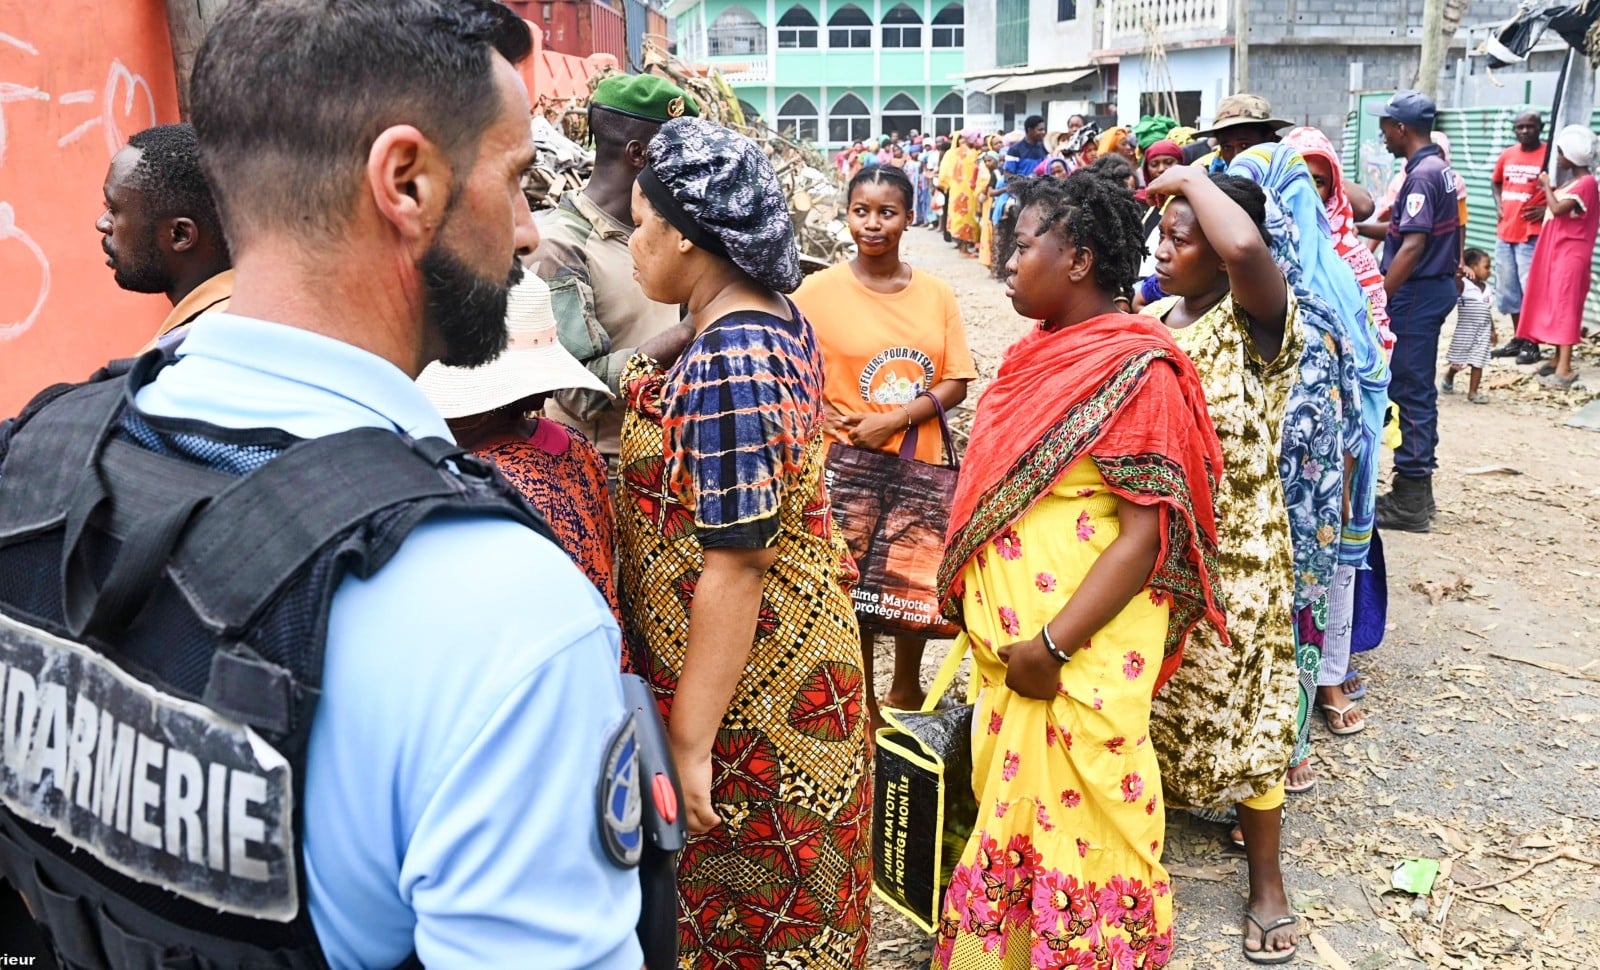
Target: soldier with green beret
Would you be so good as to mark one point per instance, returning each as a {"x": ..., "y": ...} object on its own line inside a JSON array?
[{"x": 602, "y": 315}]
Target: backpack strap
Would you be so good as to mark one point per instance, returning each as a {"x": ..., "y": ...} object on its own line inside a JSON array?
[{"x": 259, "y": 532}]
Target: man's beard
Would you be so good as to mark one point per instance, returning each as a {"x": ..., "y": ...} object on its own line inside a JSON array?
[
  {"x": 468, "y": 310},
  {"x": 142, "y": 275}
]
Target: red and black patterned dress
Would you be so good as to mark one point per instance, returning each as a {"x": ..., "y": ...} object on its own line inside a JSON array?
[
  {"x": 727, "y": 449},
  {"x": 564, "y": 477}
]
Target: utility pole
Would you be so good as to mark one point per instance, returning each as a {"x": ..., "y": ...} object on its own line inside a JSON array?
[
  {"x": 187, "y": 23},
  {"x": 1434, "y": 43},
  {"x": 1241, "y": 46}
]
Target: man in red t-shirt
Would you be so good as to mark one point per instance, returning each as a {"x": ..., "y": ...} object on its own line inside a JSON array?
[{"x": 1521, "y": 205}]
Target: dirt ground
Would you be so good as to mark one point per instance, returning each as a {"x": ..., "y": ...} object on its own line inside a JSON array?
[{"x": 1482, "y": 750}]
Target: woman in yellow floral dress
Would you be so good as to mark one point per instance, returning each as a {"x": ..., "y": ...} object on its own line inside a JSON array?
[
  {"x": 964, "y": 199},
  {"x": 1081, "y": 552},
  {"x": 1224, "y": 728}
]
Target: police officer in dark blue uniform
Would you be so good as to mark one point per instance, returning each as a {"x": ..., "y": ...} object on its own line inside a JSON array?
[{"x": 1421, "y": 256}]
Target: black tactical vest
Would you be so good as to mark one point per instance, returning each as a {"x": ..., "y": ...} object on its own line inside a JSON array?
[{"x": 164, "y": 596}]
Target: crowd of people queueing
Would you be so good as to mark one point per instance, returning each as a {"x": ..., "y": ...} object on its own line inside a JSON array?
[{"x": 1162, "y": 545}]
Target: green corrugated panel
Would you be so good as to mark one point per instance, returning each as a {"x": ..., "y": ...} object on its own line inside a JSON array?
[{"x": 1477, "y": 137}]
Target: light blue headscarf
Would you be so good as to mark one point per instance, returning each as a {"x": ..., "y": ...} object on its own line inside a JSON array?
[{"x": 1302, "y": 244}]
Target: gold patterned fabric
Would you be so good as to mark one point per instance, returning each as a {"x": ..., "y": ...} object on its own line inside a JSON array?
[
  {"x": 1224, "y": 725},
  {"x": 784, "y": 882}
]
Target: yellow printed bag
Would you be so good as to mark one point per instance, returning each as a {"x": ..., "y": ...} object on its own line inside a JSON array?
[{"x": 923, "y": 805}]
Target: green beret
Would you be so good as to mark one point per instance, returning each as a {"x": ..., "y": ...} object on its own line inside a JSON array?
[{"x": 647, "y": 96}]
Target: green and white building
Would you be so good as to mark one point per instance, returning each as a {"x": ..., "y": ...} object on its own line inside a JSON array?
[{"x": 834, "y": 71}]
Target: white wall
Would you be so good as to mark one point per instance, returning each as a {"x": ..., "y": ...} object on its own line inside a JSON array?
[{"x": 1208, "y": 70}]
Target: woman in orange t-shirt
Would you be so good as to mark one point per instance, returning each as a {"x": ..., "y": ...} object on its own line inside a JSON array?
[{"x": 887, "y": 333}]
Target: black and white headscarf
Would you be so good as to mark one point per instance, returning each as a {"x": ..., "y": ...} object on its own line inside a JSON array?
[{"x": 717, "y": 187}]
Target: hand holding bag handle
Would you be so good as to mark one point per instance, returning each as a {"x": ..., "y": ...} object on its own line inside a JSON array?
[{"x": 908, "y": 443}]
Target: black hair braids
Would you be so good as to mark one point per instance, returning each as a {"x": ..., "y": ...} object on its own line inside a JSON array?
[
  {"x": 1095, "y": 212},
  {"x": 891, "y": 175}
]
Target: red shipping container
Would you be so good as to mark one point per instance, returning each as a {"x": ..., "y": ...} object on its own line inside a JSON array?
[{"x": 576, "y": 27}]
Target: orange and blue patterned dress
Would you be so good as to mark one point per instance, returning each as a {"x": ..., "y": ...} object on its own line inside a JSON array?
[{"x": 726, "y": 450}]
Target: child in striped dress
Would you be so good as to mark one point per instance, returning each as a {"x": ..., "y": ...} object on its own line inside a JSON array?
[{"x": 1469, "y": 347}]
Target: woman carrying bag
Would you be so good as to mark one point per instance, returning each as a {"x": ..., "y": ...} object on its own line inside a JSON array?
[{"x": 890, "y": 336}]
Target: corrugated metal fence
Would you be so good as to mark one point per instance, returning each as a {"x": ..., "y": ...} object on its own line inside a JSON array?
[{"x": 1477, "y": 137}]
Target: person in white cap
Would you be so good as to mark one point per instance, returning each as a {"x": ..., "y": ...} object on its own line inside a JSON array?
[{"x": 491, "y": 411}]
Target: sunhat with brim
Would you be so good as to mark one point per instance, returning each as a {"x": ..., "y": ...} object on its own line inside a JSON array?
[
  {"x": 1242, "y": 109},
  {"x": 534, "y": 362}
]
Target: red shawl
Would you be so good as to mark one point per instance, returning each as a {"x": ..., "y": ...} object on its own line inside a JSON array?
[{"x": 1117, "y": 389}]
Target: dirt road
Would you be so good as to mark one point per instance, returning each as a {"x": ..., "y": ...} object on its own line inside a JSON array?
[{"x": 1482, "y": 750}]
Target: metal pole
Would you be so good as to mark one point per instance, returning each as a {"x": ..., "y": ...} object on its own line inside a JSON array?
[{"x": 1241, "y": 46}]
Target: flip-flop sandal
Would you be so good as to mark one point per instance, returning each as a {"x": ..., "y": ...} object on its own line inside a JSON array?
[
  {"x": 1546, "y": 370},
  {"x": 1263, "y": 955},
  {"x": 1361, "y": 689},
  {"x": 1298, "y": 789},
  {"x": 1348, "y": 729}
]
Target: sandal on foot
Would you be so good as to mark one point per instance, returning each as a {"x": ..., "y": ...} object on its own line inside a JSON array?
[
  {"x": 1546, "y": 369},
  {"x": 1557, "y": 382},
  {"x": 1264, "y": 955},
  {"x": 1361, "y": 686},
  {"x": 1478, "y": 398},
  {"x": 1294, "y": 789},
  {"x": 1340, "y": 712}
]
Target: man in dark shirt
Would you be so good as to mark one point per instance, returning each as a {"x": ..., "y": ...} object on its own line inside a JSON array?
[
  {"x": 1421, "y": 255},
  {"x": 1023, "y": 157}
]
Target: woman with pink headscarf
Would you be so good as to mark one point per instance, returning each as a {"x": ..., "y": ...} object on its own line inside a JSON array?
[{"x": 1328, "y": 175}]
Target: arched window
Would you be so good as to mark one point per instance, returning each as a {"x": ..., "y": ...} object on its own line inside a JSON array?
[
  {"x": 849, "y": 27},
  {"x": 902, "y": 114},
  {"x": 947, "y": 27},
  {"x": 902, "y": 27},
  {"x": 737, "y": 31},
  {"x": 849, "y": 120},
  {"x": 799, "y": 115},
  {"x": 949, "y": 115},
  {"x": 797, "y": 28}
]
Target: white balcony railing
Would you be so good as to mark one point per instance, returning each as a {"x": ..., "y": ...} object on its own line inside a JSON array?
[
  {"x": 745, "y": 69},
  {"x": 1139, "y": 23}
]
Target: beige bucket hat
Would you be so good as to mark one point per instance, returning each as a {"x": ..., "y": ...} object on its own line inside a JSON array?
[{"x": 534, "y": 361}]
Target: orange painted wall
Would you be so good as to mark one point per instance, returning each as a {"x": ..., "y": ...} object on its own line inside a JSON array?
[{"x": 77, "y": 77}]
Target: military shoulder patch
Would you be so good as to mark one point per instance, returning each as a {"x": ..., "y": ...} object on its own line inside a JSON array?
[{"x": 620, "y": 802}]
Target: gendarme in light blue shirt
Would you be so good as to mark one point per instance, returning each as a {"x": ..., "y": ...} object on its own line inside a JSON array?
[{"x": 469, "y": 690}]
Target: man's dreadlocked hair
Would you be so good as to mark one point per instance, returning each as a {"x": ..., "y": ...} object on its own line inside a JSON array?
[{"x": 1095, "y": 212}]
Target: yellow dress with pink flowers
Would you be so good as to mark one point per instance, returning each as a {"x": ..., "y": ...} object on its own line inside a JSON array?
[{"x": 1064, "y": 866}]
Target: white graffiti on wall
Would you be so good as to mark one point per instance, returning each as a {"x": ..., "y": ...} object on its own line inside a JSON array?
[
  {"x": 9, "y": 231},
  {"x": 127, "y": 105}
]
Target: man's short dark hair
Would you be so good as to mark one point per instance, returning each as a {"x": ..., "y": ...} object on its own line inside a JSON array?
[
  {"x": 168, "y": 174},
  {"x": 612, "y": 130},
  {"x": 287, "y": 97},
  {"x": 1031, "y": 122}
]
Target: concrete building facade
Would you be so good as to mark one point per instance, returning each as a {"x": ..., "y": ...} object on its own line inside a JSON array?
[{"x": 833, "y": 71}]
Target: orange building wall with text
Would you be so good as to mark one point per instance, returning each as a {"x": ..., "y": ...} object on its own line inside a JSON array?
[{"x": 77, "y": 77}]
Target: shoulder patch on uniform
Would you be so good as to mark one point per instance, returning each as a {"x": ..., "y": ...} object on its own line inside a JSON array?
[
  {"x": 620, "y": 802},
  {"x": 1414, "y": 203}
]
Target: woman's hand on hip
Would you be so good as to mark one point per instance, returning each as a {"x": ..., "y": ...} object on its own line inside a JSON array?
[{"x": 1030, "y": 670}]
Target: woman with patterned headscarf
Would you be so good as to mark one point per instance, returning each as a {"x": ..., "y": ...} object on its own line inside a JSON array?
[
  {"x": 1333, "y": 422},
  {"x": 735, "y": 585}
]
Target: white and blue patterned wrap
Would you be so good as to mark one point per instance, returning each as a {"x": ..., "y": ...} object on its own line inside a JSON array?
[
  {"x": 1303, "y": 247},
  {"x": 724, "y": 182}
]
